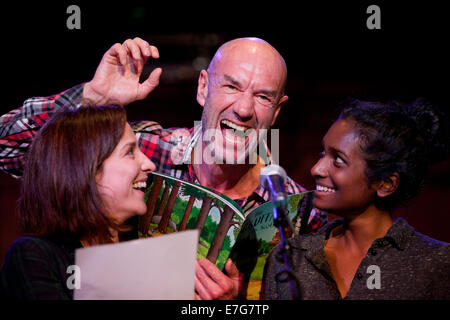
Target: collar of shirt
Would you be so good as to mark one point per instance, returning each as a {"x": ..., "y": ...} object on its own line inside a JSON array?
[
  {"x": 313, "y": 245},
  {"x": 397, "y": 236},
  {"x": 182, "y": 155}
]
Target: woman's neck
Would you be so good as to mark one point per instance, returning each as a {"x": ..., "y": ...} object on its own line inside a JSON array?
[
  {"x": 357, "y": 233},
  {"x": 114, "y": 238}
]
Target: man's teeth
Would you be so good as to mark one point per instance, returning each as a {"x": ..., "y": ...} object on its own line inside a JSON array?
[
  {"x": 325, "y": 189},
  {"x": 233, "y": 125},
  {"x": 140, "y": 185}
]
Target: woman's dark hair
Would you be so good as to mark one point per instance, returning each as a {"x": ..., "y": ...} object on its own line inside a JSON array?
[
  {"x": 402, "y": 138},
  {"x": 59, "y": 196}
]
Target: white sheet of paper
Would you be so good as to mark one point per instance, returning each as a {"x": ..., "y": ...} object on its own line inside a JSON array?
[{"x": 160, "y": 268}]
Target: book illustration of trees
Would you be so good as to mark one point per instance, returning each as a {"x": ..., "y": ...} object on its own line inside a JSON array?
[
  {"x": 264, "y": 247},
  {"x": 204, "y": 211},
  {"x": 226, "y": 222},
  {"x": 175, "y": 186},
  {"x": 304, "y": 212},
  {"x": 293, "y": 202},
  {"x": 193, "y": 193},
  {"x": 207, "y": 233},
  {"x": 165, "y": 194},
  {"x": 174, "y": 205},
  {"x": 162, "y": 195},
  {"x": 145, "y": 220},
  {"x": 300, "y": 205}
]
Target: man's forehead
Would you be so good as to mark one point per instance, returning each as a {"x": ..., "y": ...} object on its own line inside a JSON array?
[
  {"x": 247, "y": 50},
  {"x": 247, "y": 58},
  {"x": 236, "y": 68},
  {"x": 240, "y": 64},
  {"x": 241, "y": 75}
]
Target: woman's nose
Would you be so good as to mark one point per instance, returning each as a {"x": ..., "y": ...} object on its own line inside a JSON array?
[
  {"x": 147, "y": 165},
  {"x": 319, "y": 169}
]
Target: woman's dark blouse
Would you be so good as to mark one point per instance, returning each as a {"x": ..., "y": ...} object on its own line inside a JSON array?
[
  {"x": 409, "y": 265},
  {"x": 36, "y": 268}
]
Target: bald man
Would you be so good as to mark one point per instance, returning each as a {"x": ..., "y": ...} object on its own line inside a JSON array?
[{"x": 241, "y": 93}]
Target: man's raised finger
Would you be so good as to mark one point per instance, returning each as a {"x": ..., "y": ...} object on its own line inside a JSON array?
[
  {"x": 118, "y": 51},
  {"x": 133, "y": 49},
  {"x": 151, "y": 83},
  {"x": 145, "y": 47}
]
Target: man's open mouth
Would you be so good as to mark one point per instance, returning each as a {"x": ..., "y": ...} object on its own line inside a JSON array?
[{"x": 231, "y": 130}]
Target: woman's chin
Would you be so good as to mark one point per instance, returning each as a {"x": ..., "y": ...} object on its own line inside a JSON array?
[{"x": 141, "y": 211}]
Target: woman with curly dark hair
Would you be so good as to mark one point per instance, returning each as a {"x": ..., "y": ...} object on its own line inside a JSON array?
[
  {"x": 375, "y": 158},
  {"x": 82, "y": 182}
]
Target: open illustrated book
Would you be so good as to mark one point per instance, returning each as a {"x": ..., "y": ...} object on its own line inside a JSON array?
[{"x": 225, "y": 232}]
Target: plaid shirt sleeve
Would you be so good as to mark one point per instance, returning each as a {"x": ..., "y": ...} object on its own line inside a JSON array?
[
  {"x": 148, "y": 134},
  {"x": 165, "y": 147},
  {"x": 19, "y": 126}
]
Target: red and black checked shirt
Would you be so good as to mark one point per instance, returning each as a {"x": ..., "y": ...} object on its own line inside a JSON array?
[{"x": 170, "y": 149}]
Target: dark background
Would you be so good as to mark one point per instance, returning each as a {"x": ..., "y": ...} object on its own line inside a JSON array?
[{"x": 330, "y": 54}]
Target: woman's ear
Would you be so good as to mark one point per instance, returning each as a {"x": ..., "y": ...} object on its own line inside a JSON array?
[
  {"x": 388, "y": 186},
  {"x": 202, "y": 88}
]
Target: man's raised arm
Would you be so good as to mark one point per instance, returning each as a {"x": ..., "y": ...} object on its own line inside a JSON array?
[{"x": 116, "y": 82}]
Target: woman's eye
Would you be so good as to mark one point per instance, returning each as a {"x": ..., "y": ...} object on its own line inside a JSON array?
[{"x": 338, "y": 160}]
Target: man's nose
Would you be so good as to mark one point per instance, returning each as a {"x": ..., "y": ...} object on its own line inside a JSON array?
[{"x": 244, "y": 107}]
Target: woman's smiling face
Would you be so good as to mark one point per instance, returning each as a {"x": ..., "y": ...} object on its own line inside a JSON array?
[
  {"x": 123, "y": 177},
  {"x": 342, "y": 187}
]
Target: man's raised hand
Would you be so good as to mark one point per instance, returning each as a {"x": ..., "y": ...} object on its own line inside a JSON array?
[{"x": 116, "y": 81}]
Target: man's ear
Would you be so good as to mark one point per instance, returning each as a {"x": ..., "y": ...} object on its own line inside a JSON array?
[
  {"x": 281, "y": 103},
  {"x": 202, "y": 88},
  {"x": 388, "y": 185}
]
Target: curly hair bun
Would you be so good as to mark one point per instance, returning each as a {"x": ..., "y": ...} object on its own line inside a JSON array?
[{"x": 433, "y": 128}]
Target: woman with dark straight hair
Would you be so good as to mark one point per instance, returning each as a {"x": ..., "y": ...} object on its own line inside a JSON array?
[
  {"x": 83, "y": 180},
  {"x": 375, "y": 159}
]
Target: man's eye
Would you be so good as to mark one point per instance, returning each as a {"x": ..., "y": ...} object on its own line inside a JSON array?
[
  {"x": 229, "y": 87},
  {"x": 266, "y": 101}
]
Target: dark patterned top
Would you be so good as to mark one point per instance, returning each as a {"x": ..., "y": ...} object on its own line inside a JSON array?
[
  {"x": 36, "y": 269},
  {"x": 403, "y": 265}
]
